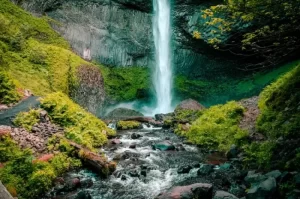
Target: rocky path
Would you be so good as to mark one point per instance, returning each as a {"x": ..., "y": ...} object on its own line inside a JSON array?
[{"x": 7, "y": 115}]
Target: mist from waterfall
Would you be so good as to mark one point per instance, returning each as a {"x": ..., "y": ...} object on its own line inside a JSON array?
[{"x": 163, "y": 70}]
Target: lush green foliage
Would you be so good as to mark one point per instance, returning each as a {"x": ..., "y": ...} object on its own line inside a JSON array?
[
  {"x": 279, "y": 105},
  {"x": 125, "y": 84},
  {"x": 33, "y": 54},
  {"x": 125, "y": 125},
  {"x": 265, "y": 29},
  {"x": 8, "y": 89},
  {"x": 258, "y": 155},
  {"x": 27, "y": 119},
  {"x": 217, "y": 127},
  {"x": 25, "y": 177},
  {"x": 80, "y": 126}
]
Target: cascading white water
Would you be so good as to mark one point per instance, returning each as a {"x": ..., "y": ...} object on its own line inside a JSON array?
[{"x": 163, "y": 70}]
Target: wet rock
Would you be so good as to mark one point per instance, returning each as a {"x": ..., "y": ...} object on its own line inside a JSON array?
[
  {"x": 163, "y": 146},
  {"x": 116, "y": 141},
  {"x": 226, "y": 166},
  {"x": 83, "y": 195},
  {"x": 265, "y": 189},
  {"x": 198, "y": 190},
  {"x": 275, "y": 174},
  {"x": 189, "y": 104},
  {"x": 120, "y": 113},
  {"x": 134, "y": 173},
  {"x": 180, "y": 147},
  {"x": 132, "y": 146},
  {"x": 86, "y": 183},
  {"x": 205, "y": 169},
  {"x": 123, "y": 177},
  {"x": 196, "y": 165},
  {"x": 252, "y": 178},
  {"x": 224, "y": 195},
  {"x": 184, "y": 169},
  {"x": 233, "y": 152},
  {"x": 135, "y": 136},
  {"x": 72, "y": 184},
  {"x": 144, "y": 173}
]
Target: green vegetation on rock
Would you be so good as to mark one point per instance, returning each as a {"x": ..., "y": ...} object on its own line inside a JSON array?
[
  {"x": 25, "y": 177},
  {"x": 218, "y": 127},
  {"x": 126, "y": 84},
  {"x": 126, "y": 125},
  {"x": 34, "y": 55},
  {"x": 8, "y": 89},
  {"x": 27, "y": 119},
  {"x": 80, "y": 126},
  {"x": 280, "y": 108}
]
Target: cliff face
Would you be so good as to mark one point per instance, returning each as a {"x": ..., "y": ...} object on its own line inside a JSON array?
[{"x": 119, "y": 32}]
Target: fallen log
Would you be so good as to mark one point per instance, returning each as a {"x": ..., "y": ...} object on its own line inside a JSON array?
[{"x": 96, "y": 162}]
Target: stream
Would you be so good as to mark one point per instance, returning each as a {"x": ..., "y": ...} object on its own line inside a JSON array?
[{"x": 142, "y": 172}]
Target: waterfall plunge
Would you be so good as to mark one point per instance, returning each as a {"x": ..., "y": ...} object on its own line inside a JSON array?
[{"x": 163, "y": 70}]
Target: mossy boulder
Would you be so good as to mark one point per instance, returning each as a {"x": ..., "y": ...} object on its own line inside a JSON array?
[
  {"x": 80, "y": 126},
  {"x": 218, "y": 127},
  {"x": 126, "y": 125}
]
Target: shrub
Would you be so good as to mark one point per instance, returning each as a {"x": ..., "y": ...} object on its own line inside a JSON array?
[
  {"x": 280, "y": 108},
  {"x": 8, "y": 90},
  {"x": 217, "y": 127},
  {"x": 80, "y": 126},
  {"x": 125, "y": 125},
  {"x": 27, "y": 119}
]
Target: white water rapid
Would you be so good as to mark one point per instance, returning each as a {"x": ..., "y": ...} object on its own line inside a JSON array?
[{"x": 163, "y": 69}]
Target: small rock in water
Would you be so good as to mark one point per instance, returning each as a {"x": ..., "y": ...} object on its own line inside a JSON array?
[
  {"x": 163, "y": 146},
  {"x": 123, "y": 177},
  {"x": 184, "y": 169},
  {"x": 224, "y": 195},
  {"x": 135, "y": 136},
  {"x": 116, "y": 141},
  {"x": 132, "y": 146},
  {"x": 144, "y": 173},
  {"x": 225, "y": 166},
  {"x": 83, "y": 195},
  {"x": 133, "y": 173},
  {"x": 265, "y": 189},
  {"x": 205, "y": 169},
  {"x": 86, "y": 183}
]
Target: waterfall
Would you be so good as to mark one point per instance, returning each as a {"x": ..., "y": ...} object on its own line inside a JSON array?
[{"x": 163, "y": 71}]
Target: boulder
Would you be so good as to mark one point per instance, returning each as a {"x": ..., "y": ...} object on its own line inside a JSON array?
[
  {"x": 189, "y": 104},
  {"x": 275, "y": 174},
  {"x": 205, "y": 169},
  {"x": 135, "y": 136},
  {"x": 184, "y": 169},
  {"x": 5, "y": 130},
  {"x": 83, "y": 195},
  {"x": 163, "y": 146},
  {"x": 120, "y": 113},
  {"x": 265, "y": 189},
  {"x": 254, "y": 178},
  {"x": 198, "y": 190},
  {"x": 86, "y": 183},
  {"x": 4, "y": 194},
  {"x": 224, "y": 195}
]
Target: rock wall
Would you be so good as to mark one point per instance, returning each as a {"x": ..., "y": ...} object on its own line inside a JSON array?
[{"x": 119, "y": 32}]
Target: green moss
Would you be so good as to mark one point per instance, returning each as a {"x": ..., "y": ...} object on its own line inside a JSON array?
[
  {"x": 27, "y": 119},
  {"x": 280, "y": 108},
  {"x": 126, "y": 125},
  {"x": 258, "y": 155},
  {"x": 33, "y": 54},
  {"x": 8, "y": 89},
  {"x": 126, "y": 84},
  {"x": 217, "y": 127},
  {"x": 62, "y": 163},
  {"x": 28, "y": 178},
  {"x": 80, "y": 126},
  {"x": 187, "y": 115}
]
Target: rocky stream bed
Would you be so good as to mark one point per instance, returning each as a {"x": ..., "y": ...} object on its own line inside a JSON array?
[{"x": 156, "y": 163}]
